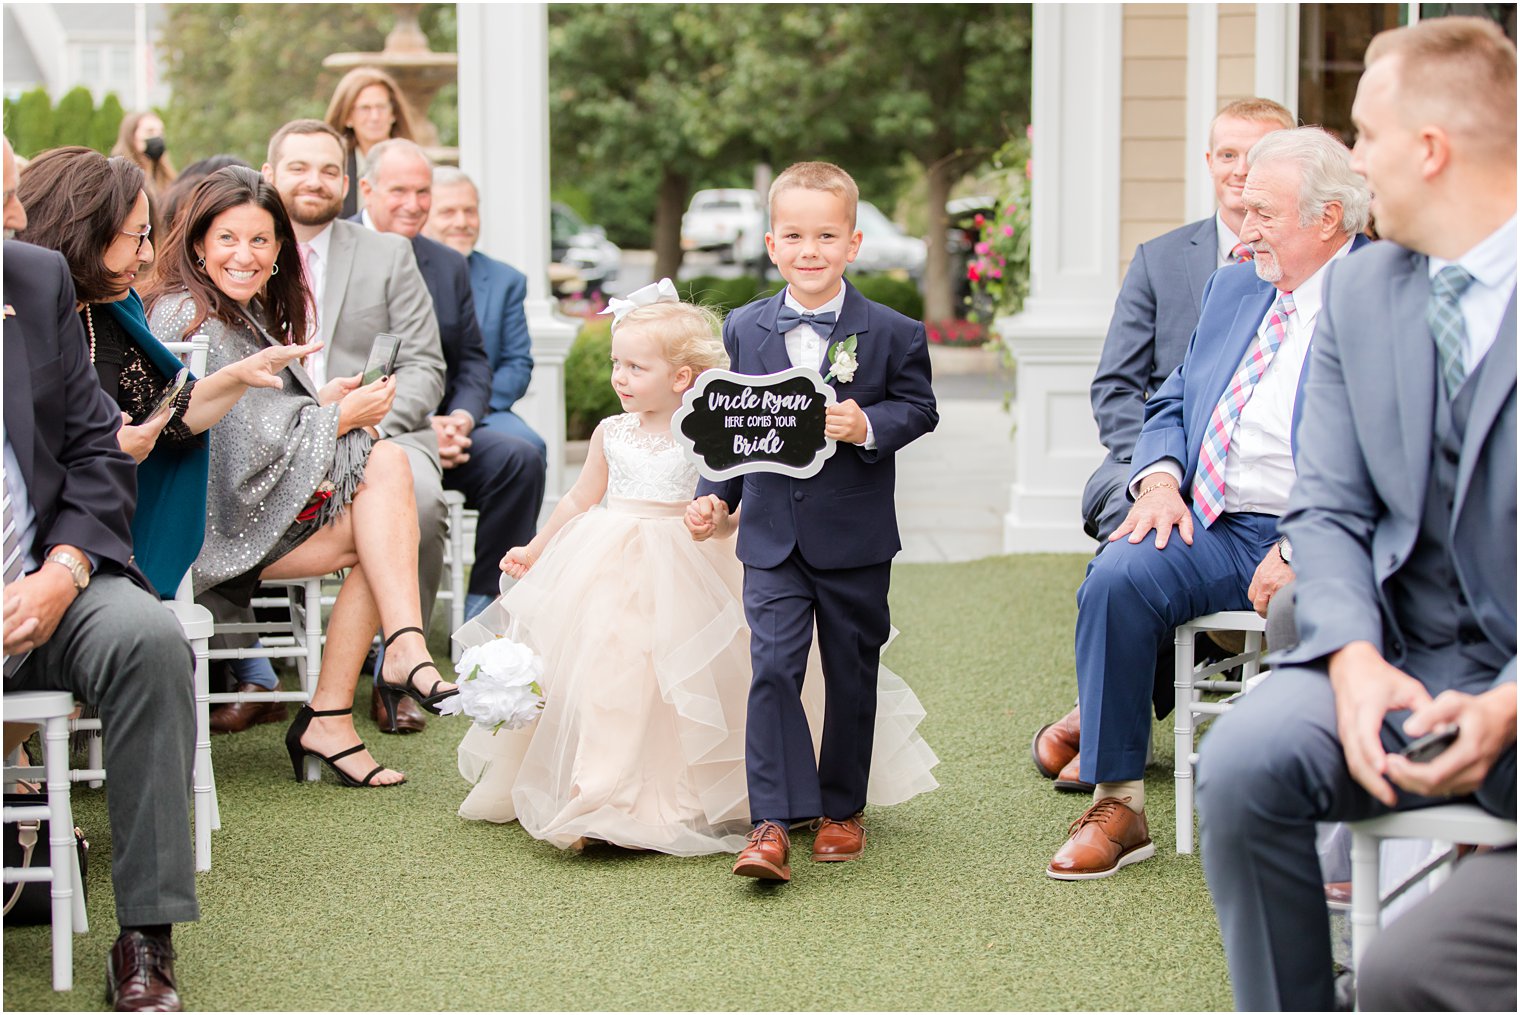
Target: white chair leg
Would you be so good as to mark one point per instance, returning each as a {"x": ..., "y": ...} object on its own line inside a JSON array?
[
  {"x": 1366, "y": 899},
  {"x": 95, "y": 755},
  {"x": 1182, "y": 742},
  {"x": 62, "y": 852},
  {"x": 203, "y": 789}
]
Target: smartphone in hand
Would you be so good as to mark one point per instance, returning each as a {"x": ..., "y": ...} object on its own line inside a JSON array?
[
  {"x": 1430, "y": 746},
  {"x": 165, "y": 405},
  {"x": 382, "y": 358}
]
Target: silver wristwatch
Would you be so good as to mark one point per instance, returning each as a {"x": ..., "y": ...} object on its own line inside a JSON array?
[
  {"x": 1285, "y": 551},
  {"x": 77, "y": 568}
]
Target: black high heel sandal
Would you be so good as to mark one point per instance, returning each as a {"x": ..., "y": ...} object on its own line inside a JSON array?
[
  {"x": 299, "y": 753},
  {"x": 393, "y": 692}
]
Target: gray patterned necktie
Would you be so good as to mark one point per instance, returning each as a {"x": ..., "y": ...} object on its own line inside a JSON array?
[
  {"x": 1447, "y": 327},
  {"x": 15, "y": 562}
]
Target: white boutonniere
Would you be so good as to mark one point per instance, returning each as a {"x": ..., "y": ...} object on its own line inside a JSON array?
[{"x": 842, "y": 362}]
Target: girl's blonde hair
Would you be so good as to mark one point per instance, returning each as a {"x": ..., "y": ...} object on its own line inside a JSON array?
[{"x": 687, "y": 333}]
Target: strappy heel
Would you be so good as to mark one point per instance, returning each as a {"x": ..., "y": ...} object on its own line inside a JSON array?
[
  {"x": 298, "y": 753},
  {"x": 393, "y": 692}
]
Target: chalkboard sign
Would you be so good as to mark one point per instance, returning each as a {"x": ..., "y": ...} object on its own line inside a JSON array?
[{"x": 730, "y": 424}]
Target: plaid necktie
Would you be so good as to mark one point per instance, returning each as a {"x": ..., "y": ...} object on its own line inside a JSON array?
[
  {"x": 1447, "y": 327},
  {"x": 1208, "y": 481},
  {"x": 1243, "y": 252},
  {"x": 15, "y": 561}
]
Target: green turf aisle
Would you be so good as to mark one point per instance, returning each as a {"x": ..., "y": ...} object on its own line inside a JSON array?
[{"x": 330, "y": 898}]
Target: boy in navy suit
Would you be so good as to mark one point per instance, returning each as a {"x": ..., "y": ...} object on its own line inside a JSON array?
[{"x": 819, "y": 549}]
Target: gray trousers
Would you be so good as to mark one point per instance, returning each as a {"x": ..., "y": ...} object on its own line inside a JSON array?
[
  {"x": 1455, "y": 951},
  {"x": 119, "y": 650},
  {"x": 1267, "y": 771}
]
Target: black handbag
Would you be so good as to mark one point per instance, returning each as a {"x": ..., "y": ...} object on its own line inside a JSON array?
[{"x": 29, "y": 903}]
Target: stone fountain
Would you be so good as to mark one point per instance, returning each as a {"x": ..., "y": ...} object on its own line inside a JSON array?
[{"x": 418, "y": 71}]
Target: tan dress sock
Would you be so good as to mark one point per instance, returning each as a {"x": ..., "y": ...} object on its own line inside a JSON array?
[{"x": 1134, "y": 789}]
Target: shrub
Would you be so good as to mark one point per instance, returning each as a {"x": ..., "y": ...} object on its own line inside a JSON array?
[
  {"x": 105, "y": 124},
  {"x": 72, "y": 116},
  {"x": 723, "y": 294},
  {"x": 899, "y": 294},
  {"x": 30, "y": 123},
  {"x": 589, "y": 397}
]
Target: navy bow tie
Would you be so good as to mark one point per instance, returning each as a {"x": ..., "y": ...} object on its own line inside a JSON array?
[{"x": 823, "y": 324}]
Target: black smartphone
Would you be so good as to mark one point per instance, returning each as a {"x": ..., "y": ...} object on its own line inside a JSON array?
[
  {"x": 166, "y": 403},
  {"x": 1430, "y": 746},
  {"x": 382, "y": 358}
]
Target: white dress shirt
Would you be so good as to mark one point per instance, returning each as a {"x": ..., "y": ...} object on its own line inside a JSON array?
[
  {"x": 1258, "y": 465},
  {"x": 806, "y": 348},
  {"x": 21, "y": 509},
  {"x": 1492, "y": 265},
  {"x": 1224, "y": 253},
  {"x": 316, "y": 268}
]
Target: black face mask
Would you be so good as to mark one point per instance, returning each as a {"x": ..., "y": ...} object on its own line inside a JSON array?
[{"x": 154, "y": 148}]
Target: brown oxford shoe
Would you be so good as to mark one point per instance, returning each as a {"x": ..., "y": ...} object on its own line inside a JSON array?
[
  {"x": 1106, "y": 837},
  {"x": 1070, "y": 778},
  {"x": 140, "y": 974},
  {"x": 839, "y": 840},
  {"x": 408, "y": 717},
  {"x": 237, "y": 716},
  {"x": 1056, "y": 744},
  {"x": 764, "y": 856}
]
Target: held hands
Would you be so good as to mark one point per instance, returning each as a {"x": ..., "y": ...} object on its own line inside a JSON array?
[
  {"x": 707, "y": 517},
  {"x": 1366, "y": 689},
  {"x": 138, "y": 441},
  {"x": 1159, "y": 506},
  {"x": 1271, "y": 575},
  {"x": 1486, "y": 727},
  {"x": 262, "y": 369},
  {"x": 34, "y": 604},
  {"x": 845, "y": 422},
  {"x": 518, "y": 561},
  {"x": 453, "y": 433},
  {"x": 366, "y": 405}
]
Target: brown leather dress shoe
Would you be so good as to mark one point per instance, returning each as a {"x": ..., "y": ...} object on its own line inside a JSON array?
[
  {"x": 1070, "y": 778},
  {"x": 140, "y": 974},
  {"x": 1056, "y": 744},
  {"x": 1106, "y": 837},
  {"x": 239, "y": 715},
  {"x": 765, "y": 855},
  {"x": 408, "y": 719},
  {"x": 839, "y": 840}
]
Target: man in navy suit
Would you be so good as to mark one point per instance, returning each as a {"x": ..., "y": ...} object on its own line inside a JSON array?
[
  {"x": 1404, "y": 521},
  {"x": 501, "y": 476},
  {"x": 819, "y": 550},
  {"x": 1213, "y": 462},
  {"x": 79, "y": 617},
  {"x": 499, "y": 290}
]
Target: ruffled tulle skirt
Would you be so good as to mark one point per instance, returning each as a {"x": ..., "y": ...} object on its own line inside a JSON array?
[{"x": 647, "y": 673}]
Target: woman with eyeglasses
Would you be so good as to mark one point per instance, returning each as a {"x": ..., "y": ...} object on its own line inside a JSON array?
[
  {"x": 367, "y": 107},
  {"x": 95, "y": 212}
]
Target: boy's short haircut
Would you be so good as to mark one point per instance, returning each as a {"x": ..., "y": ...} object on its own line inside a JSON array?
[
  {"x": 1257, "y": 110},
  {"x": 823, "y": 176}
]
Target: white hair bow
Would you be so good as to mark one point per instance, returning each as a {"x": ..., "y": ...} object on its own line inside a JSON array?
[{"x": 663, "y": 291}]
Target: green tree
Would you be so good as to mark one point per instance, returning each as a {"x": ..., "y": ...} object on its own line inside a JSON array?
[
  {"x": 72, "y": 117},
  {"x": 105, "y": 124},
  {"x": 31, "y": 123},
  {"x": 238, "y": 71}
]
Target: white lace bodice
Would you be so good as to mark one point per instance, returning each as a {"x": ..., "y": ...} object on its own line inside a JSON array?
[{"x": 645, "y": 466}]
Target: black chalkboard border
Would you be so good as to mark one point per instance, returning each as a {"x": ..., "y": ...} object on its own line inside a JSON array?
[{"x": 698, "y": 390}]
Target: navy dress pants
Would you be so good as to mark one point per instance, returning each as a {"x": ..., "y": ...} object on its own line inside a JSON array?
[
  {"x": 1132, "y": 599},
  {"x": 503, "y": 480},
  {"x": 850, "y": 609}
]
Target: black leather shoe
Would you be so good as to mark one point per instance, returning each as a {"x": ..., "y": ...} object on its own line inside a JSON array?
[{"x": 140, "y": 974}]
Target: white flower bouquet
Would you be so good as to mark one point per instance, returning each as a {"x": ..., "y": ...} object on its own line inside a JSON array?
[{"x": 500, "y": 685}]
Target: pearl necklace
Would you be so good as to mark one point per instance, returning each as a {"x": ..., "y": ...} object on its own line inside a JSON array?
[{"x": 89, "y": 323}]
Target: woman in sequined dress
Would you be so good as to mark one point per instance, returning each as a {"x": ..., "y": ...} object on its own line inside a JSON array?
[
  {"x": 95, "y": 212},
  {"x": 299, "y": 485}
]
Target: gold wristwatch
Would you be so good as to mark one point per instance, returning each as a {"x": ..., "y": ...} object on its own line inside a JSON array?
[{"x": 77, "y": 568}]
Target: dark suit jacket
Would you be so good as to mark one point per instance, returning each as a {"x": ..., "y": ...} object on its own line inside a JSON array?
[
  {"x": 844, "y": 516},
  {"x": 60, "y": 423},
  {"x": 467, "y": 381},
  {"x": 500, "y": 290},
  {"x": 1365, "y": 461}
]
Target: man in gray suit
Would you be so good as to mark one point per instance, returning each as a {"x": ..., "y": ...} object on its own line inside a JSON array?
[
  {"x": 1402, "y": 518},
  {"x": 367, "y": 283}
]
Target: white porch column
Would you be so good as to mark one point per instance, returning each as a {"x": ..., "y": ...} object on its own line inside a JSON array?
[
  {"x": 504, "y": 147},
  {"x": 1055, "y": 341}
]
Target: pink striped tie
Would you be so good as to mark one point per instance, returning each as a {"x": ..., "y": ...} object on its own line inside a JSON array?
[
  {"x": 1242, "y": 252},
  {"x": 1208, "y": 480}
]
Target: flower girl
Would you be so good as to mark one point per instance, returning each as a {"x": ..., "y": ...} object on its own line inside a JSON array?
[{"x": 642, "y": 638}]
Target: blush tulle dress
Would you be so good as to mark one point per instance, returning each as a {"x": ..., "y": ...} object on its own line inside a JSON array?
[{"x": 646, "y": 675}]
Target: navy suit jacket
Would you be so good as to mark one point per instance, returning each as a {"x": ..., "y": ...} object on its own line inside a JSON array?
[
  {"x": 1154, "y": 317},
  {"x": 500, "y": 290},
  {"x": 60, "y": 422},
  {"x": 844, "y": 516},
  {"x": 1368, "y": 433},
  {"x": 467, "y": 380}
]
